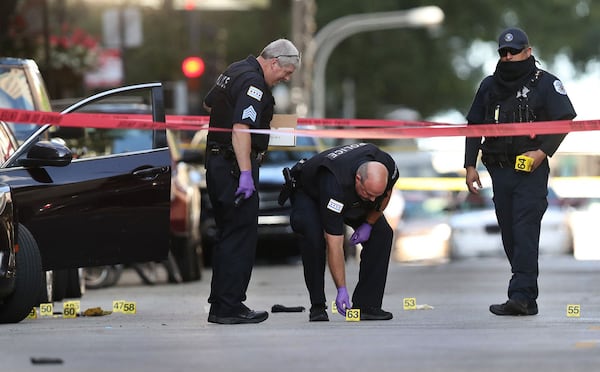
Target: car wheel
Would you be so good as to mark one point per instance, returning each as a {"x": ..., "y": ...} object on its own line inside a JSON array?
[
  {"x": 173, "y": 273},
  {"x": 28, "y": 282},
  {"x": 188, "y": 259},
  {"x": 102, "y": 276},
  {"x": 147, "y": 271}
]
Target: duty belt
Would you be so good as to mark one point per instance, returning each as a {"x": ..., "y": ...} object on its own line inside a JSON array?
[
  {"x": 228, "y": 153},
  {"x": 498, "y": 160}
]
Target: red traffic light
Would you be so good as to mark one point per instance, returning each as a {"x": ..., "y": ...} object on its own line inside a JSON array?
[{"x": 192, "y": 67}]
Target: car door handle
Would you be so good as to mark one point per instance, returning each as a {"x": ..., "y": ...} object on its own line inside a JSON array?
[{"x": 150, "y": 174}]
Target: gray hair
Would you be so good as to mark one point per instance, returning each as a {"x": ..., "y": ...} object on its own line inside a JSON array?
[{"x": 285, "y": 52}]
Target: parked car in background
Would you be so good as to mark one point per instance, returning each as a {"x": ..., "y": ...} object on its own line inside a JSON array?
[
  {"x": 66, "y": 210},
  {"x": 423, "y": 233},
  {"x": 475, "y": 230},
  {"x": 583, "y": 221},
  {"x": 186, "y": 238}
]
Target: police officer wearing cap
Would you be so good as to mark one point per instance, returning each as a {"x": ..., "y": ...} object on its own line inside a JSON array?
[
  {"x": 349, "y": 185},
  {"x": 517, "y": 92},
  {"x": 241, "y": 99}
]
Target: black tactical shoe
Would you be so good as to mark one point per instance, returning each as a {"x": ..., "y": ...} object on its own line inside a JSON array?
[
  {"x": 374, "y": 313},
  {"x": 515, "y": 307},
  {"x": 318, "y": 313},
  {"x": 246, "y": 316}
]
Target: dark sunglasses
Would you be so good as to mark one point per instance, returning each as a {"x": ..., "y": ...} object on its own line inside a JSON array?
[{"x": 504, "y": 51}]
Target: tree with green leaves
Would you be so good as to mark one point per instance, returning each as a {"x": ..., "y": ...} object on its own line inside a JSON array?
[
  {"x": 427, "y": 70},
  {"x": 433, "y": 70}
]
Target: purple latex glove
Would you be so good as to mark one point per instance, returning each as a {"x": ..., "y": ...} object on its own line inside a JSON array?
[
  {"x": 246, "y": 184},
  {"x": 342, "y": 301},
  {"x": 361, "y": 234}
]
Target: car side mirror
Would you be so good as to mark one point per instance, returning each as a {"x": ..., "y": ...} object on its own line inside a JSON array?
[{"x": 47, "y": 153}]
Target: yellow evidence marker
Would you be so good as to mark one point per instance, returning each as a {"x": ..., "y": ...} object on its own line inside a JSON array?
[
  {"x": 118, "y": 305},
  {"x": 573, "y": 310},
  {"x": 523, "y": 163},
  {"x": 353, "y": 315},
  {"x": 69, "y": 309},
  {"x": 410, "y": 303},
  {"x": 32, "y": 314},
  {"x": 129, "y": 307},
  {"x": 125, "y": 307},
  {"x": 47, "y": 309}
]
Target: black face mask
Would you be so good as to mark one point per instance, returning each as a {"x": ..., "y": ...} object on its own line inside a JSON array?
[{"x": 512, "y": 76}]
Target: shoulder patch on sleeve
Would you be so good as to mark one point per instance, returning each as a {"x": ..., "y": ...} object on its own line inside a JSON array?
[
  {"x": 254, "y": 92},
  {"x": 249, "y": 112},
  {"x": 335, "y": 206},
  {"x": 559, "y": 87}
]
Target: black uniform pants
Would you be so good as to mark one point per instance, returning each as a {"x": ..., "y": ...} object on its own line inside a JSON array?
[
  {"x": 375, "y": 256},
  {"x": 237, "y": 235},
  {"x": 520, "y": 199}
]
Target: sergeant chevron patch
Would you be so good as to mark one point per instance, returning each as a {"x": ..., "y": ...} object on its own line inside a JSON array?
[{"x": 249, "y": 113}]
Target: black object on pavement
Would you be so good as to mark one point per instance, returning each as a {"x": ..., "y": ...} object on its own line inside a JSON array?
[{"x": 287, "y": 309}]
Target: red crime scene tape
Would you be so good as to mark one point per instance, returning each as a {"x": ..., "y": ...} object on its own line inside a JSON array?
[{"x": 310, "y": 127}]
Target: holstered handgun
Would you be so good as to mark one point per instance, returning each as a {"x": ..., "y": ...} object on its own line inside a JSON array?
[
  {"x": 293, "y": 181},
  {"x": 287, "y": 188}
]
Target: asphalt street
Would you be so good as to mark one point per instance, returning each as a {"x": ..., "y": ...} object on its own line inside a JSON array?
[{"x": 169, "y": 331}]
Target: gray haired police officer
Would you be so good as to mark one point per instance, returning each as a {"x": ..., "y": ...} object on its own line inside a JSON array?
[
  {"x": 241, "y": 99},
  {"x": 517, "y": 92},
  {"x": 350, "y": 185}
]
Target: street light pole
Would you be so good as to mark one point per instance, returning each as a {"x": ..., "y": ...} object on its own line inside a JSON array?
[{"x": 325, "y": 41}]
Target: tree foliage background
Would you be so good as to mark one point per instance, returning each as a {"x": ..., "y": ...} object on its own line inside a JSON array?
[{"x": 425, "y": 70}]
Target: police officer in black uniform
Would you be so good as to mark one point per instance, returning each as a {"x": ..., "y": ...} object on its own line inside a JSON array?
[
  {"x": 241, "y": 99},
  {"x": 518, "y": 91},
  {"x": 350, "y": 185}
]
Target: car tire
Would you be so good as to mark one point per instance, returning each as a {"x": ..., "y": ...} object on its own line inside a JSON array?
[
  {"x": 173, "y": 274},
  {"x": 28, "y": 282},
  {"x": 188, "y": 258},
  {"x": 102, "y": 276}
]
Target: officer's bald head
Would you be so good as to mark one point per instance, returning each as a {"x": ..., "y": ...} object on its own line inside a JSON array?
[{"x": 371, "y": 180}]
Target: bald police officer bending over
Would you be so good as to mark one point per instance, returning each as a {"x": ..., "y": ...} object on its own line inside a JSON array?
[{"x": 349, "y": 185}]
